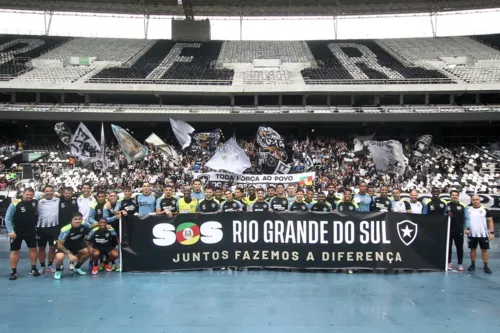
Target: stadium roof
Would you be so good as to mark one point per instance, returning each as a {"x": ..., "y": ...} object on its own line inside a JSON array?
[{"x": 202, "y": 8}]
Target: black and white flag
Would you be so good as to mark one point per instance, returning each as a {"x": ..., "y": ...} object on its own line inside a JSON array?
[
  {"x": 181, "y": 131},
  {"x": 64, "y": 132},
  {"x": 84, "y": 146},
  {"x": 388, "y": 156},
  {"x": 309, "y": 163},
  {"x": 282, "y": 168}
]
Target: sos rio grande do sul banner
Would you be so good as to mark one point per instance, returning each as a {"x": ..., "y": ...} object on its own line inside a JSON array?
[{"x": 288, "y": 240}]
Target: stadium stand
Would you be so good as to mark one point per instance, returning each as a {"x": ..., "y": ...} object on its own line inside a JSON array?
[
  {"x": 247, "y": 51},
  {"x": 56, "y": 75},
  {"x": 360, "y": 60},
  {"x": 16, "y": 52}
]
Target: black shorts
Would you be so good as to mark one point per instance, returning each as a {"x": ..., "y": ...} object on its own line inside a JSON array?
[
  {"x": 74, "y": 248},
  {"x": 104, "y": 250},
  {"x": 47, "y": 235},
  {"x": 484, "y": 243},
  {"x": 28, "y": 237}
]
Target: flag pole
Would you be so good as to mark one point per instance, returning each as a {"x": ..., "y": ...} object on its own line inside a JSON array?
[
  {"x": 120, "y": 240},
  {"x": 447, "y": 245}
]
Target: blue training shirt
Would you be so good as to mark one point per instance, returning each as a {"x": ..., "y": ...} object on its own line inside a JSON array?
[{"x": 146, "y": 203}]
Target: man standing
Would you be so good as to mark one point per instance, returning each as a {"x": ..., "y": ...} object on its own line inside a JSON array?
[
  {"x": 98, "y": 209},
  {"x": 252, "y": 196},
  {"x": 231, "y": 205},
  {"x": 291, "y": 190},
  {"x": 299, "y": 205},
  {"x": 197, "y": 192},
  {"x": 399, "y": 205},
  {"x": 382, "y": 203},
  {"x": 187, "y": 204},
  {"x": 146, "y": 201},
  {"x": 435, "y": 205},
  {"x": 346, "y": 205},
  {"x": 128, "y": 205},
  {"x": 271, "y": 193},
  {"x": 309, "y": 200},
  {"x": 459, "y": 218},
  {"x": 260, "y": 205},
  {"x": 209, "y": 204},
  {"x": 21, "y": 219},
  {"x": 363, "y": 199},
  {"x": 416, "y": 206},
  {"x": 67, "y": 207},
  {"x": 72, "y": 243},
  {"x": 47, "y": 227},
  {"x": 238, "y": 196},
  {"x": 481, "y": 230},
  {"x": 85, "y": 201},
  {"x": 165, "y": 205},
  {"x": 279, "y": 203},
  {"x": 218, "y": 195},
  {"x": 321, "y": 205},
  {"x": 332, "y": 198}
]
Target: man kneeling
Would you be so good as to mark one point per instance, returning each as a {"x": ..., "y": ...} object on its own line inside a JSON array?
[
  {"x": 72, "y": 243},
  {"x": 102, "y": 240}
]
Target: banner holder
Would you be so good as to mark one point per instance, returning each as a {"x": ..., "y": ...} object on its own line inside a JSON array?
[
  {"x": 120, "y": 240},
  {"x": 447, "y": 245}
]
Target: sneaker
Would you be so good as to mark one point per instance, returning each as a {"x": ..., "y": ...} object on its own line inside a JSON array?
[
  {"x": 118, "y": 268},
  {"x": 41, "y": 270},
  {"x": 487, "y": 270},
  {"x": 80, "y": 271},
  {"x": 35, "y": 272},
  {"x": 349, "y": 271},
  {"x": 57, "y": 275},
  {"x": 460, "y": 268},
  {"x": 114, "y": 267},
  {"x": 71, "y": 266},
  {"x": 107, "y": 267},
  {"x": 101, "y": 268},
  {"x": 471, "y": 267},
  {"x": 95, "y": 270},
  {"x": 450, "y": 266},
  {"x": 13, "y": 276}
]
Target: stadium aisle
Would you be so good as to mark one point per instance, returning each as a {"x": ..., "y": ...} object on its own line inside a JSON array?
[{"x": 250, "y": 301}]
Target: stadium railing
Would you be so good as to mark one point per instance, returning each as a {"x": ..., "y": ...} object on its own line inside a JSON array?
[{"x": 380, "y": 81}]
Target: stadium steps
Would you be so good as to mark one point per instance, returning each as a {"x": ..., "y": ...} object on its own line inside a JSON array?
[{"x": 139, "y": 54}]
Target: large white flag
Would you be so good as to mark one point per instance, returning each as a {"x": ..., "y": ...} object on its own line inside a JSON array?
[
  {"x": 131, "y": 148},
  {"x": 156, "y": 141},
  {"x": 388, "y": 156},
  {"x": 103, "y": 149},
  {"x": 359, "y": 143},
  {"x": 230, "y": 157},
  {"x": 84, "y": 146},
  {"x": 181, "y": 131}
]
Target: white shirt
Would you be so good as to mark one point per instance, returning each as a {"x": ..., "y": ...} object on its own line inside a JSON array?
[
  {"x": 400, "y": 206},
  {"x": 478, "y": 224},
  {"x": 416, "y": 208},
  {"x": 84, "y": 205},
  {"x": 48, "y": 213}
]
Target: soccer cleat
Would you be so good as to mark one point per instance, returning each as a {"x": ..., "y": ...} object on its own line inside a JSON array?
[
  {"x": 487, "y": 270},
  {"x": 471, "y": 267},
  {"x": 460, "y": 268},
  {"x": 35, "y": 272},
  {"x": 13, "y": 276},
  {"x": 57, "y": 275},
  {"x": 95, "y": 270},
  {"x": 80, "y": 271},
  {"x": 107, "y": 267},
  {"x": 450, "y": 266},
  {"x": 72, "y": 266}
]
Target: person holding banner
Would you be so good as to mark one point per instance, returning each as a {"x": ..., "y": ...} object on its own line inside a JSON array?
[
  {"x": 187, "y": 205},
  {"x": 299, "y": 205},
  {"x": 98, "y": 210},
  {"x": 209, "y": 204},
  {"x": 260, "y": 205},
  {"x": 128, "y": 205},
  {"x": 382, "y": 203},
  {"x": 238, "y": 196},
  {"x": 332, "y": 198},
  {"x": 399, "y": 205},
  {"x": 197, "y": 192},
  {"x": 481, "y": 231},
  {"x": 435, "y": 205},
  {"x": 146, "y": 201},
  {"x": 165, "y": 205},
  {"x": 309, "y": 200},
  {"x": 291, "y": 193},
  {"x": 346, "y": 205},
  {"x": 252, "y": 196},
  {"x": 322, "y": 205},
  {"x": 363, "y": 199},
  {"x": 280, "y": 202},
  {"x": 231, "y": 205},
  {"x": 271, "y": 193},
  {"x": 416, "y": 206},
  {"x": 218, "y": 195},
  {"x": 459, "y": 218}
]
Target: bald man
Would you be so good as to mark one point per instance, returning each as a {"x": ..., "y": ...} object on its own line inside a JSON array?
[{"x": 480, "y": 230}]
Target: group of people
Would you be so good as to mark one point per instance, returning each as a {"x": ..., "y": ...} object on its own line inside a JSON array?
[{"x": 87, "y": 226}]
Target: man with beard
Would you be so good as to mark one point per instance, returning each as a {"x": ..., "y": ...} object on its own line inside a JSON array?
[
  {"x": 252, "y": 196},
  {"x": 322, "y": 205},
  {"x": 382, "y": 203},
  {"x": 103, "y": 241},
  {"x": 459, "y": 218},
  {"x": 67, "y": 207},
  {"x": 332, "y": 198},
  {"x": 363, "y": 199},
  {"x": 260, "y": 205},
  {"x": 231, "y": 205},
  {"x": 309, "y": 200},
  {"x": 299, "y": 205},
  {"x": 209, "y": 204},
  {"x": 238, "y": 196},
  {"x": 21, "y": 219},
  {"x": 481, "y": 231},
  {"x": 47, "y": 227},
  {"x": 98, "y": 210},
  {"x": 280, "y": 202},
  {"x": 435, "y": 205},
  {"x": 128, "y": 205},
  {"x": 165, "y": 205},
  {"x": 85, "y": 201},
  {"x": 186, "y": 204}
]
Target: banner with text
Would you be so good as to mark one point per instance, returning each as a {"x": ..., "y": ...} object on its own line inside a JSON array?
[
  {"x": 288, "y": 240},
  {"x": 221, "y": 179}
]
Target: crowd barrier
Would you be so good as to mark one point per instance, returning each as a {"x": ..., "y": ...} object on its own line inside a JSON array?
[{"x": 284, "y": 240}]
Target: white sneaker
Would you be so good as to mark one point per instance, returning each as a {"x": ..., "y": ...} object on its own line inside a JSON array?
[
  {"x": 450, "y": 266},
  {"x": 72, "y": 266},
  {"x": 349, "y": 271}
]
